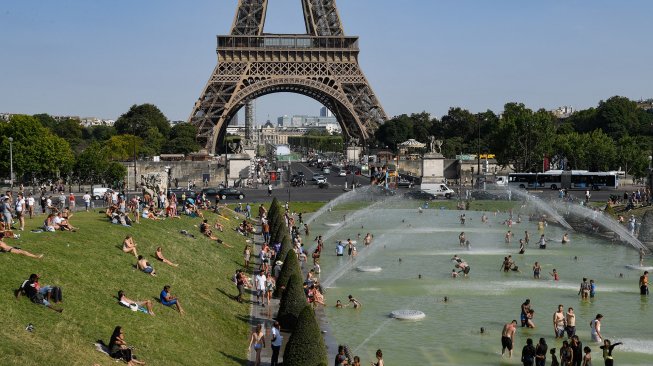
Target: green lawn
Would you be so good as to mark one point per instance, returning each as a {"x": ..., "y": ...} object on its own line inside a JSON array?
[{"x": 90, "y": 267}]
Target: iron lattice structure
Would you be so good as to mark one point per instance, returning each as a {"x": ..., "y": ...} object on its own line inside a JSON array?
[{"x": 321, "y": 64}]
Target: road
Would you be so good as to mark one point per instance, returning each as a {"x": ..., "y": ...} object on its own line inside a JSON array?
[{"x": 310, "y": 192}]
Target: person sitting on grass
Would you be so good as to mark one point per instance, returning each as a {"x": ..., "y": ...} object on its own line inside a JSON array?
[
  {"x": 62, "y": 223},
  {"x": 36, "y": 294},
  {"x": 49, "y": 224},
  {"x": 145, "y": 266},
  {"x": 168, "y": 300},
  {"x": 218, "y": 226},
  {"x": 4, "y": 248},
  {"x": 119, "y": 350},
  {"x": 129, "y": 246},
  {"x": 125, "y": 301},
  {"x": 205, "y": 229},
  {"x": 159, "y": 256},
  {"x": 8, "y": 233}
]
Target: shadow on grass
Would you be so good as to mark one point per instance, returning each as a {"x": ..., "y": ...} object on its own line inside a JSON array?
[{"x": 240, "y": 360}]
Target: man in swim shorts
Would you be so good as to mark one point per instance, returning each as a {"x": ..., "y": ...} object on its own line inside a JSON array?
[
  {"x": 507, "y": 337},
  {"x": 643, "y": 283},
  {"x": 559, "y": 322}
]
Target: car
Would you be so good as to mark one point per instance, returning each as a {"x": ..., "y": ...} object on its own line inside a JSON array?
[
  {"x": 98, "y": 193},
  {"x": 404, "y": 183},
  {"x": 342, "y": 173},
  {"x": 301, "y": 174},
  {"x": 223, "y": 193},
  {"x": 438, "y": 189},
  {"x": 318, "y": 178},
  {"x": 420, "y": 195}
]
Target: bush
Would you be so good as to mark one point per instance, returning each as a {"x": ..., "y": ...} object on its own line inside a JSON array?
[
  {"x": 292, "y": 302},
  {"x": 306, "y": 346},
  {"x": 278, "y": 227},
  {"x": 271, "y": 212},
  {"x": 290, "y": 267}
]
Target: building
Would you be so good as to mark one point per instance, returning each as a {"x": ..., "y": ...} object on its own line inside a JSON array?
[
  {"x": 563, "y": 112},
  {"x": 94, "y": 121},
  {"x": 646, "y": 104}
]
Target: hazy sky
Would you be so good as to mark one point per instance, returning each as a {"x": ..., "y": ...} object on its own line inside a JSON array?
[{"x": 97, "y": 58}]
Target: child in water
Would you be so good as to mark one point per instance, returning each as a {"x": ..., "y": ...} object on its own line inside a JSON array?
[{"x": 555, "y": 275}]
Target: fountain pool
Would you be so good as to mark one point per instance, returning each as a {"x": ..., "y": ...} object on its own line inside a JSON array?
[{"x": 449, "y": 334}]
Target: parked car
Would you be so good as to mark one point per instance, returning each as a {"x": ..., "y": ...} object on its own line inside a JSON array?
[
  {"x": 342, "y": 173},
  {"x": 404, "y": 183},
  {"x": 223, "y": 193},
  {"x": 98, "y": 193},
  {"x": 420, "y": 195}
]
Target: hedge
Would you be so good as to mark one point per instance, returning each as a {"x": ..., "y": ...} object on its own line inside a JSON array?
[{"x": 306, "y": 346}]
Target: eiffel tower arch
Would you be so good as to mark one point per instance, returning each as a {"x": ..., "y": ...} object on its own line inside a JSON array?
[{"x": 321, "y": 64}]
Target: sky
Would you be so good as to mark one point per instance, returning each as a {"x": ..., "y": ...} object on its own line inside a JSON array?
[{"x": 97, "y": 58}]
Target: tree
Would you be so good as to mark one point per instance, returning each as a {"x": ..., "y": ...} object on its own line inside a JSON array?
[
  {"x": 140, "y": 118},
  {"x": 91, "y": 164},
  {"x": 115, "y": 174},
  {"x": 306, "y": 346},
  {"x": 121, "y": 147},
  {"x": 182, "y": 140},
  {"x": 278, "y": 227},
  {"x": 632, "y": 154},
  {"x": 523, "y": 137},
  {"x": 292, "y": 301},
  {"x": 37, "y": 152},
  {"x": 290, "y": 267}
]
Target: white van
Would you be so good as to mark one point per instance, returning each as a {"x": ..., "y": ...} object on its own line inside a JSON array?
[
  {"x": 438, "y": 189},
  {"x": 98, "y": 193}
]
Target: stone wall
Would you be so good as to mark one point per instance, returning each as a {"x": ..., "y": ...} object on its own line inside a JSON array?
[{"x": 182, "y": 170}]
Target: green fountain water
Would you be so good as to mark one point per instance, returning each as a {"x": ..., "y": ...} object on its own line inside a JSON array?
[{"x": 489, "y": 298}]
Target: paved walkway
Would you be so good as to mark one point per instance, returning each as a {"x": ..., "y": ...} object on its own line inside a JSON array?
[{"x": 265, "y": 315}]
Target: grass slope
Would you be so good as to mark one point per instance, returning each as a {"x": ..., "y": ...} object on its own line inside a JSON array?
[{"x": 90, "y": 267}]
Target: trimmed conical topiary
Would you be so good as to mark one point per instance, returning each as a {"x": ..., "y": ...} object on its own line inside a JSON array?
[
  {"x": 278, "y": 226},
  {"x": 306, "y": 346},
  {"x": 271, "y": 212},
  {"x": 289, "y": 268},
  {"x": 292, "y": 302}
]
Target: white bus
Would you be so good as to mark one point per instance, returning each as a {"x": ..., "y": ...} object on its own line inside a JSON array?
[{"x": 557, "y": 179}]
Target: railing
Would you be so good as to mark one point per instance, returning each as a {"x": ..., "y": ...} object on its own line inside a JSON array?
[{"x": 285, "y": 42}]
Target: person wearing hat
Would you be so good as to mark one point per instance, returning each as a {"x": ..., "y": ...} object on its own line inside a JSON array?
[{"x": 277, "y": 269}]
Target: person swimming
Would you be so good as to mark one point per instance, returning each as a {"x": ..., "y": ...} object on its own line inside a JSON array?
[{"x": 565, "y": 238}]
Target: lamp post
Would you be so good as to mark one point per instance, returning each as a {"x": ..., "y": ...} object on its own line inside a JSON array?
[{"x": 11, "y": 162}]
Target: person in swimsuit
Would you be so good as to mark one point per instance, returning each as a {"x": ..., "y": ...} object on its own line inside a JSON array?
[
  {"x": 4, "y": 248},
  {"x": 355, "y": 303},
  {"x": 507, "y": 337},
  {"x": 566, "y": 354},
  {"x": 258, "y": 340},
  {"x": 587, "y": 358},
  {"x": 584, "y": 290},
  {"x": 461, "y": 239},
  {"x": 125, "y": 301},
  {"x": 559, "y": 322},
  {"x": 565, "y": 238},
  {"x": 527, "y": 237},
  {"x": 570, "y": 319},
  {"x": 607, "y": 352},
  {"x": 145, "y": 266},
  {"x": 525, "y": 308},
  {"x": 643, "y": 283},
  {"x": 506, "y": 264},
  {"x": 521, "y": 246},
  {"x": 555, "y": 275},
  {"x": 508, "y": 237},
  {"x": 159, "y": 256},
  {"x": 129, "y": 246},
  {"x": 536, "y": 270},
  {"x": 595, "y": 328},
  {"x": 542, "y": 242},
  {"x": 379, "y": 358}
]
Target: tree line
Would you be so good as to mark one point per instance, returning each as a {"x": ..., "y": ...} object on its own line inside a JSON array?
[
  {"x": 45, "y": 148},
  {"x": 616, "y": 134}
]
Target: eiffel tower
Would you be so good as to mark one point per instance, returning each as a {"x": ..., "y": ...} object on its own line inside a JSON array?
[{"x": 321, "y": 64}]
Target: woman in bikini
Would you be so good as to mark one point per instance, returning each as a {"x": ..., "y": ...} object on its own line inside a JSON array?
[
  {"x": 4, "y": 248},
  {"x": 125, "y": 301},
  {"x": 159, "y": 256},
  {"x": 128, "y": 246},
  {"x": 258, "y": 340}
]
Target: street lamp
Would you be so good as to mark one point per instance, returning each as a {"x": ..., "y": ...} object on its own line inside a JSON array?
[{"x": 11, "y": 162}]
